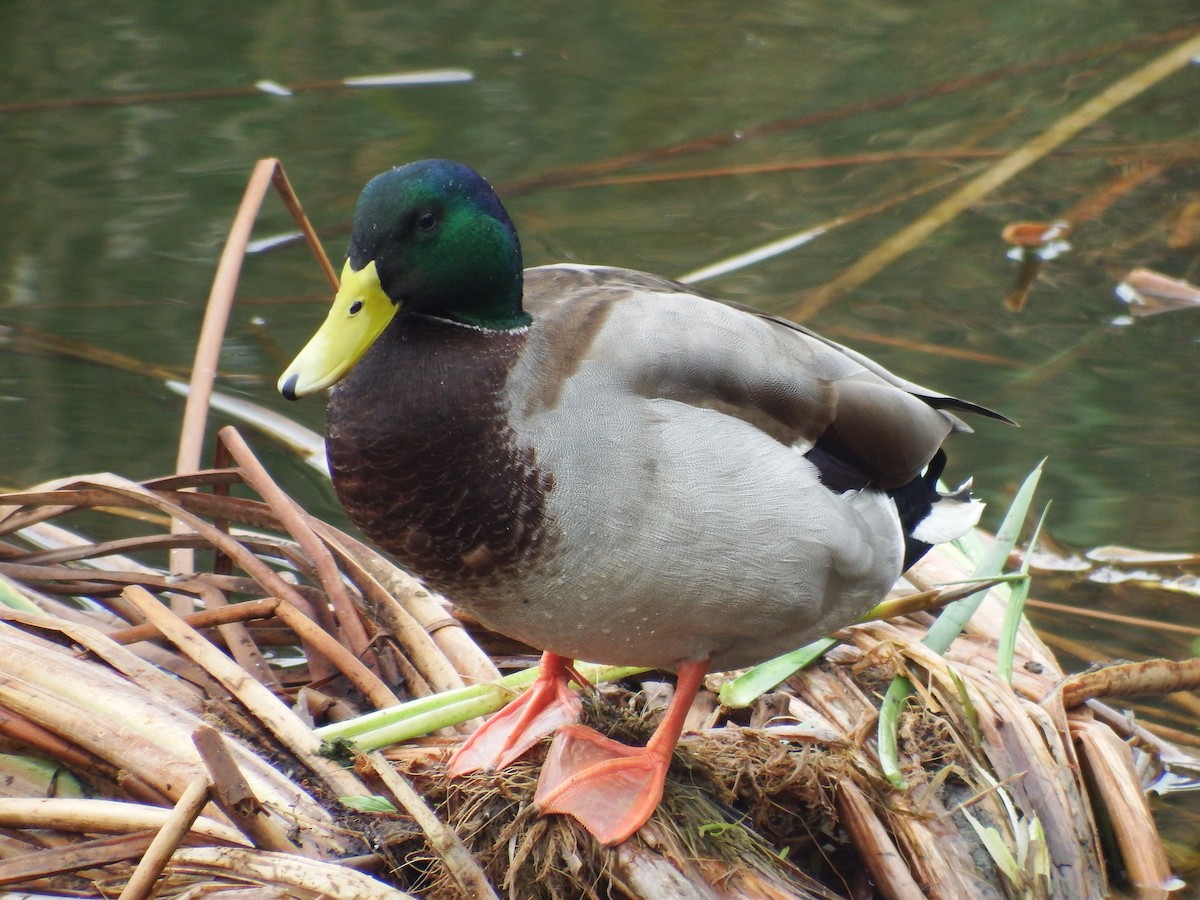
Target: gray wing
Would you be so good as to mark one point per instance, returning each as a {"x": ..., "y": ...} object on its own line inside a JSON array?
[{"x": 662, "y": 339}]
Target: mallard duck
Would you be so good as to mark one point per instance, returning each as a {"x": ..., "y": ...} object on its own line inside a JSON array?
[{"x": 609, "y": 466}]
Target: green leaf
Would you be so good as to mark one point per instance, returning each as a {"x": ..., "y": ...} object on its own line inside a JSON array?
[
  {"x": 748, "y": 687},
  {"x": 32, "y": 776},
  {"x": 369, "y": 804},
  {"x": 1001, "y": 855},
  {"x": 718, "y": 829},
  {"x": 12, "y": 597},
  {"x": 969, "y": 709},
  {"x": 889, "y": 717},
  {"x": 954, "y": 618},
  {"x": 1015, "y": 608}
]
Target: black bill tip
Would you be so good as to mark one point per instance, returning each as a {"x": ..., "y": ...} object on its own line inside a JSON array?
[{"x": 288, "y": 388}]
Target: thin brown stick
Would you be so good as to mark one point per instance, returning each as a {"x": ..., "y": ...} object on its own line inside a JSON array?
[
  {"x": 1118, "y": 789},
  {"x": 386, "y": 589},
  {"x": 208, "y": 618},
  {"x": 1117, "y": 618},
  {"x": 410, "y": 615},
  {"x": 117, "y": 547},
  {"x": 377, "y": 693},
  {"x": 168, "y": 839},
  {"x": 1184, "y": 738},
  {"x": 102, "y": 817},
  {"x": 1189, "y": 702},
  {"x": 40, "y": 863},
  {"x": 25, "y": 338},
  {"x": 237, "y": 638},
  {"x": 1096, "y": 203},
  {"x": 460, "y": 864},
  {"x": 1060, "y": 132},
  {"x": 1171, "y": 150},
  {"x": 288, "y": 195},
  {"x": 114, "y": 491},
  {"x": 46, "y": 501},
  {"x": 267, "y": 577},
  {"x": 874, "y": 337},
  {"x": 296, "y": 522},
  {"x": 216, "y": 316},
  {"x": 1150, "y": 736},
  {"x": 269, "y": 710},
  {"x": 65, "y": 579},
  {"x": 221, "y": 564},
  {"x": 908, "y": 604},
  {"x": 233, "y": 793},
  {"x": 208, "y": 347},
  {"x": 281, "y": 874},
  {"x": 47, "y": 743},
  {"x": 103, "y": 647},
  {"x": 220, "y": 299},
  {"x": 322, "y": 645}
]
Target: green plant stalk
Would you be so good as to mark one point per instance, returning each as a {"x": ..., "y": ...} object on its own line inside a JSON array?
[
  {"x": 951, "y": 622},
  {"x": 748, "y": 687},
  {"x": 740, "y": 692},
  {"x": 428, "y": 714}
]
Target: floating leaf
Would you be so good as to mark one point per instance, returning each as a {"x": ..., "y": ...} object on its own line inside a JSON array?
[{"x": 1149, "y": 293}]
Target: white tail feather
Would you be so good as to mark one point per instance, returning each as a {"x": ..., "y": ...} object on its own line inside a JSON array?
[{"x": 952, "y": 516}]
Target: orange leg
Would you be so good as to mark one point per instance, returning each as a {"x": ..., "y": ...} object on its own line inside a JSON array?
[
  {"x": 547, "y": 704},
  {"x": 608, "y": 786}
]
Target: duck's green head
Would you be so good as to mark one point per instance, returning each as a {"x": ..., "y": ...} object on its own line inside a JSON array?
[{"x": 430, "y": 238}]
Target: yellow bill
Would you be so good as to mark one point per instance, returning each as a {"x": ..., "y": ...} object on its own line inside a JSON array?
[{"x": 360, "y": 313}]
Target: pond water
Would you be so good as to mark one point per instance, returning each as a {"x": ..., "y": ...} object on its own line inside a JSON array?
[{"x": 113, "y": 215}]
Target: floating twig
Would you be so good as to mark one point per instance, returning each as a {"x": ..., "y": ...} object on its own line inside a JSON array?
[
  {"x": 399, "y": 79},
  {"x": 1150, "y": 676}
]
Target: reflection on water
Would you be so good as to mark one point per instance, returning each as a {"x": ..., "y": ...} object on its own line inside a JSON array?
[{"x": 786, "y": 115}]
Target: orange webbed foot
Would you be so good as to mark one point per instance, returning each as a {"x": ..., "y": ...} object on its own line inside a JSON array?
[
  {"x": 545, "y": 706},
  {"x": 611, "y": 788}
]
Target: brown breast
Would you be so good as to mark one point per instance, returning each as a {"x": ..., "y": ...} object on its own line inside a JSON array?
[{"x": 425, "y": 463}]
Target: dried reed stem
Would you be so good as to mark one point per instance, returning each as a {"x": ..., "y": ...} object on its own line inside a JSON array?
[
  {"x": 1150, "y": 676},
  {"x": 460, "y": 864},
  {"x": 167, "y": 841}
]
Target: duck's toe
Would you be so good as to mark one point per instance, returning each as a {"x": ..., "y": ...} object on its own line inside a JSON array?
[
  {"x": 548, "y": 704},
  {"x": 611, "y": 788}
]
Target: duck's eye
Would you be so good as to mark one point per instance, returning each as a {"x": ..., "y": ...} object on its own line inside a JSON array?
[
  {"x": 426, "y": 221},
  {"x": 355, "y": 307}
]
